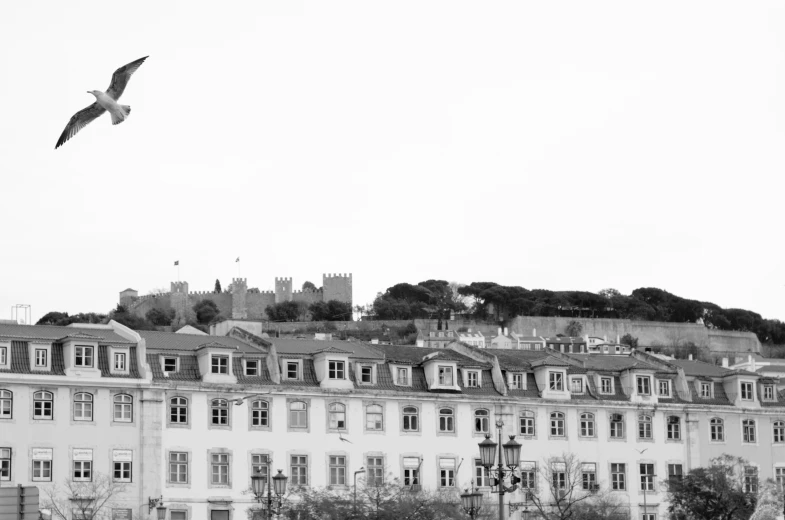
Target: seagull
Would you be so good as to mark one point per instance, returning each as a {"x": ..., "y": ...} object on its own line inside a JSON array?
[
  {"x": 103, "y": 101},
  {"x": 340, "y": 436}
]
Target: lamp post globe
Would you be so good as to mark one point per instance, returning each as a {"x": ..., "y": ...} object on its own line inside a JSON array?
[
  {"x": 279, "y": 483},
  {"x": 488, "y": 451},
  {"x": 257, "y": 484},
  {"x": 160, "y": 511},
  {"x": 471, "y": 502},
  {"x": 512, "y": 452}
]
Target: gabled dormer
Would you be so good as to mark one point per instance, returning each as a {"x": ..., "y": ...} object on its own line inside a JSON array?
[
  {"x": 80, "y": 355},
  {"x": 638, "y": 382},
  {"x": 550, "y": 373},
  {"x": 401, "y": 374},
  {"x": 215, "y": 363},
  {"x": 5, "y": 355},
  {"x": 440, "y": 373},
  {"x": 472, "y": 377},
  {"x": 331, "y": 366},
  {"x": 39, "y": 353},
  {"x": 741, "y": 388}
]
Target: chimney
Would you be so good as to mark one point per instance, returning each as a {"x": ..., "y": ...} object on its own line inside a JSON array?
[
  {"x": 690, "y": 358},
  {"x": 505, "y": 331},
  {"x": 724, "y": 362},
  {"x": 499, "y": 331},
  {"x": 470, "y": 330},
  {"x": 605, "y": 338},
  {"x": 617, "y": 339},
  {"x": 534, "y": 332}
]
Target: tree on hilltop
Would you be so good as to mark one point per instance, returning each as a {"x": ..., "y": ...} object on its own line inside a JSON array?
[
  {"x": 309, "y": 286},
  {"x": 206, "y": 311},
  {"x": 217, "y": 288}
]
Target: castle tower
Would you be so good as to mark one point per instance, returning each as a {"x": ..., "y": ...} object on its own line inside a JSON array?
[
  {"x": 179, "y": 302},
  {"x": 337, "y": 287},
  {"x": 127, "y": 297},
  {"x": 239, "y": 301},
  {"x": 283, "y": 290}
]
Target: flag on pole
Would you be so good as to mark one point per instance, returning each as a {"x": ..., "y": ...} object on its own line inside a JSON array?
[
  {"x": 238, "y": 259},
  {"x": 177, "y": 262}
]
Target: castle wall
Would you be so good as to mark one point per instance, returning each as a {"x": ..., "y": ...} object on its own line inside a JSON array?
[
  {"x": 337, "y": 287},
  {"x": 222, "y": 300},
  {"x": 307, "y": 296},
  {"x": 257, "y": 302},
  {"x": 144, "y": 304}
]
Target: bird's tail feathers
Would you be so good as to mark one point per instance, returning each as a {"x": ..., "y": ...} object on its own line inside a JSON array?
[{"x": 122, "y": 115}]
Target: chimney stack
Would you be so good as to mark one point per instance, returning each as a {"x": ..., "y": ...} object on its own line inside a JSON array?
[
  {"x": 499, "y": 331},
  {"x": 690, "y": 358},
  {"x": 505, "y": 331},
  {"x": 724, "y": 362},
  {"x": 534, "y": 332}
]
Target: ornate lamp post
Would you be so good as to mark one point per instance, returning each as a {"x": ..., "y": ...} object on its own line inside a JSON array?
[
  {"x": 279, "y": 487},
  {"x": 354, "y": 500},
  {"x": 512, "y": 456},
  {"x": 158, "y": 504},
  {"x": 471, "y": 502}
]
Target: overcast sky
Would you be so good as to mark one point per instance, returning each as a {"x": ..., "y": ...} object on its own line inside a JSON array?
[{"x": 558, "y": 145}]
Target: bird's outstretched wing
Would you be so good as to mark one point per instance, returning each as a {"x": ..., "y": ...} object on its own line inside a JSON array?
[
  {"x": 79, "y": 121},
  {"x": 120, "y": 78}
]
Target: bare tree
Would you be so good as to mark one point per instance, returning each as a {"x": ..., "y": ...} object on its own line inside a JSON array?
[{"x": 91, "y": 500}]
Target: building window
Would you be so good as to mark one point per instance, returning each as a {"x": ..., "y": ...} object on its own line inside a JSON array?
[
  {"x": 337, "y": 416},
  {"x": 618, "y": 478},
  {"x": 335, "y": 370},
  {"x": 260, "y": 413},
  {"x": 472, "y": 379},
  {"x": 298, "y": 414},
  {"x": 617, "y": 426},
  {"x": 6, "y": 404},
  {"x": 337, "y": 470},
  {"x": 260, "y": 464},
  {"x": 178, "y": 410},
  {"x": 606, "y": 385},
  {"x": 219, "y": 468},
  {"x": 83, "y": 470},
  {"x": 481, "y": 476},
  {"x": 5, "y": 464},
  {"x": 644, "y": 385},
  {"x": 647, "y": 477},
  {"x": 219, "y": 410},
  {"x": 528, "y": 475},
  {"x": 587, "y": 425},
  {"x": 40, "y": 357},
  {"x": 644, "y": 426},
  {"x": 83, "y": 356},
  {"x": 42, "y": 465},
  {"x": 717, "y": 428},
  {"x": 3, "y": 355},
  {"x": 482, "y": 421},
  {"x": 648, "y": 516},
  {"x": 410, "y": 419},
  {"x": 589, "y": 476},
  {"x": 178, "y": 468},
  {"x": 527, "y": 423},
  {"x": 123, "y": 408},
  {"x": 403, "y": 376},
  {"x": 675, "y": 473},
  {"x": 750, "y": 479},
  {"x": 374, "y": 418},
  {"x": 557, "y": 424},
  {"x": 664, "y": 388},
  {"x": 42, "y": 405},
  {"x": 768, "y": 392},
  {"x": 779, "y": 431},
  {"x": 706, "y": 390},
  {"x": 559, "y": 475},
  {"x": 779, "y": 479},
  {"x": 83, "y": 407},
  {"x": 366, "y": 374},
  {"x": 446, "y": 472},
  {"x": 122, "y": 471},
  {"x": 375, "y": 470},
  {"x": 516, "y": 382},
  {"x": 445, "y": 376},
  {"x": 576, "y": 385},
  {"x": 299, "y": 470},
  {"x": 748, "y": 431},
  {"x": 292, "y": 370},
  {"x": 252, "y": 367},
  {"x": 411, "y": 471},
  {"x": 746, "y": 391},
  {"x": 674, "y": 428},
  {"x": 170, "y": 364},
  {"x": 446, "y": 420},
  {"x": 219, "y": 364},
  {"x": 119, "y": 361},
  {"x": 556, "y": 381}
]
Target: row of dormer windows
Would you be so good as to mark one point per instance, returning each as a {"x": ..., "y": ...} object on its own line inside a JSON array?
[
  {"x": 83, "y": 405},
  {"x": 84, "y": 357}
]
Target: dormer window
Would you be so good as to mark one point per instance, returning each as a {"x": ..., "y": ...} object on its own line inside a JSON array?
[
  {"x": 402, "y": 376},
  {"x": 292, "y": 370},
  {"x": 746, "y": 391},
  {"x": 576, "y": 385},
  {"x": 170, "y": 364},
  {"x": 473, "y": 378},
  {"x": 556, "y": 381},
  {"x": 219, "y": 364},
  {"x": 644, "y": 385},
  {"x": 606, "y": 385},
  {"x": 516, "y": 382},
  {"x": 664, "y": 387},
  {"x": 706, "y": 390},
  {"x": 252, "y": 367},
  {"x": 768, "y": 392},
  {"x": 41, "y": 359},
  {"x": 336, "y": 370},
  {"x": 83, "y": 356},
  {"x": 366, "y": 374},
  {"x": 120, "y": 361},
  {"x": 3, "y": 356},
  {"x": 445, "y": 375}
]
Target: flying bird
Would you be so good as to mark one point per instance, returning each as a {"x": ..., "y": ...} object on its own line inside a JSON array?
[
  {"x": 340, "y": 436},
  {"x": 104, "y": 101}
]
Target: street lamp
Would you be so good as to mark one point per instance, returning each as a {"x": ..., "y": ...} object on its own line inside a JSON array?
[
  {"x": 279, "y": 487},
  {"x": 512, "y": 456},
  {"x": 354, "y": 500},
  {"x": 471, "y": 502}
]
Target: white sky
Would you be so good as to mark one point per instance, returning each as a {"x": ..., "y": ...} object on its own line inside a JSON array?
[{"x": 559, "y": 145}]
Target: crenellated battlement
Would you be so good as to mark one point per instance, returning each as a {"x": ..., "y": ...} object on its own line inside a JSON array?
[
  {"x": 179, "y": 287},
  {"x": 203, "y": 293},
  {"x": 283, "y": 279},
  {"x": 347, "y": 276}
]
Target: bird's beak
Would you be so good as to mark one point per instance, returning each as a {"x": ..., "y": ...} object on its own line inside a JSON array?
[{"x": 89, "y": 92}]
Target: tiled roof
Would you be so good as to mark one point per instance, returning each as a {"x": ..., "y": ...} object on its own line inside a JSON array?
[
  {"x": 766, "y": 404},
  {"x": 720, "y": 397},
  {"x": 775, "y": 369},
  {"x": 103, "y": 363},
  {"x": 550, "y": 361},
  {"x": 309, "y": 376},
  {"x": 531, "y": 388},
  {"x": 612, "y": 362},
  {"x": 20, "y": 360},
  {"x": 188, "y": 369},
  {"x": 618, "y": 394},
  {"x": 409, "y": 355},
  {"x": 486, "y": 388},
  {"x": 54, "y": 333},
  {"x": 261, "y": 379},
  {"x": 516, "y": 359},
  {"x": 311, "y": 346},
  {"x": 700, "y": 368},
  {"x": 190, "y": 342}
]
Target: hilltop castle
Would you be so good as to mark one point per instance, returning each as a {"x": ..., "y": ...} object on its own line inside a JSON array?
[{"x": 237, "y": 301}]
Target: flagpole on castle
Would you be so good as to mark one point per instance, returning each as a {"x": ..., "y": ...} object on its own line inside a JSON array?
[
  {"x": 238, "y": 266},
  {"x": 177, "y": 264}
]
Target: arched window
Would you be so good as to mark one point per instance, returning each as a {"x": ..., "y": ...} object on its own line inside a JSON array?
[
  {"x": 6, "y": 404},
  {"x": 527, "y": 423},
  {"x": 298, "y": 414},
  {"x": 220, "y": 412},
  {"x": 178, "y": 410},
  {"x": 446, "y": 420},
  {"x": 337, "y": 416},
  {"x": 482, "y": 421},
  {"x": 260, "y": 413},
  {"x": 673, "y": 428},
  {"x": 779, "y": 431},
  {"x": 748, "y": 431},
  {"x": 644, "y": 426},
  {"x": 587, "y": 425},
  {"x": 83, "y": 407},
  {"x": 374, "y": 418},
  {"x": 410, "y": 419},
  {"x": 123, "y": 408},
  {"x": 43, "y": 405},
  {"x": 557, "y": 424},
  {"x": 717, "y": 429}
]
